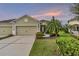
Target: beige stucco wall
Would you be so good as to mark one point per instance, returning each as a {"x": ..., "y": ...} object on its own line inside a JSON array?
[
  {"x": 30, "y": 22},
  {"x": 5, "y": 24}
]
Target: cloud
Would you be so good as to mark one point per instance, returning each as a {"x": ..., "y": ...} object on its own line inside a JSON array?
[{"x": 49, "y": 13}]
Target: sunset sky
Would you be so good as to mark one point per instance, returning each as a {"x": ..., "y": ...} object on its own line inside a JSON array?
[{"x": 38, "y": 11}]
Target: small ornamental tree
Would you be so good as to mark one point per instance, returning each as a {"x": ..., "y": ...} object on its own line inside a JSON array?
[{"x": 53, "y": 26}]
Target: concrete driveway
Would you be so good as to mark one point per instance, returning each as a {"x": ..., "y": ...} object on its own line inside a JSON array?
[{"x": 16, "y": 45}]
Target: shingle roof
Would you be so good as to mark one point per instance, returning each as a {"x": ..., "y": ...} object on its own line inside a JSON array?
[
  {"x": 8, "y": 20},
  {"x": 44, "y": 21},
  {"x": 18, "y": 19}
]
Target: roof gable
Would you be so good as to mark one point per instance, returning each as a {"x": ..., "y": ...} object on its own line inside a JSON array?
[{"x": 28, "y": 17}]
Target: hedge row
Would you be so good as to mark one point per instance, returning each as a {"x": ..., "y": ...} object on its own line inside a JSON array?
[{"x": 68, "y": 47}]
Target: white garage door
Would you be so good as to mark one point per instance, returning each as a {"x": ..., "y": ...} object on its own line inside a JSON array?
[
  {"x": 5, "y": 30},
  {"x": 23, "y": 30}
]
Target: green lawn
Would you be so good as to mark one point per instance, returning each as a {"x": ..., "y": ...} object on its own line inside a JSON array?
[
  {"x": 48, "y": 47},
  {"x": 44, "y": 47}
]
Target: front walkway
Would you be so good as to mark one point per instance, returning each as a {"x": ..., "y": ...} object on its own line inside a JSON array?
[{"x": 16, "y": 45}]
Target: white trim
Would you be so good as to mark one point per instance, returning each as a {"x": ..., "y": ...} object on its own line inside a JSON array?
[{"x": 14, "y": 29}]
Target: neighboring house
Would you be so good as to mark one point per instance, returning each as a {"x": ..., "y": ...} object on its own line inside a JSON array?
[
  {"x": 74, "y": 26},
  {"x": 24, "y": 25},
  {"x": 43, "y": 24}
]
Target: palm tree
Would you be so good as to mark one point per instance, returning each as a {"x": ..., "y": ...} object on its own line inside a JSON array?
[{"x": 53, "y": 26}]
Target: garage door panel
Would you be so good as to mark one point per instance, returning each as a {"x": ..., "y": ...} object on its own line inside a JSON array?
[
  {"x": 26, "y": 30},
  {"x": 5, "y": 30}
]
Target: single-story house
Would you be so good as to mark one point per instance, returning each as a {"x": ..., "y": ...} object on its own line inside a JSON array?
[
  {"x": 24, "y": 25},
  {"x": 74, "y": 26}
]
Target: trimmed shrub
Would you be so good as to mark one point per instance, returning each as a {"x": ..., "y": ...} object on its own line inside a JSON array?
[
  {"x": 68, "y": 47},
  {"x": 39, "y": 35}
]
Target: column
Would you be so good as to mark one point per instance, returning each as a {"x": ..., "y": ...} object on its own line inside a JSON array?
[{"x": 14, "y": 29}]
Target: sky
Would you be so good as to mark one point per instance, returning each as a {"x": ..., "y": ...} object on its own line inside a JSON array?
[{"x": 39, "y": 11}]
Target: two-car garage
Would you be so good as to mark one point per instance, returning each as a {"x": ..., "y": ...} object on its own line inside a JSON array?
[
  {"x": 24, "y": 25},
  {"x": 20, "y": 30}
]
